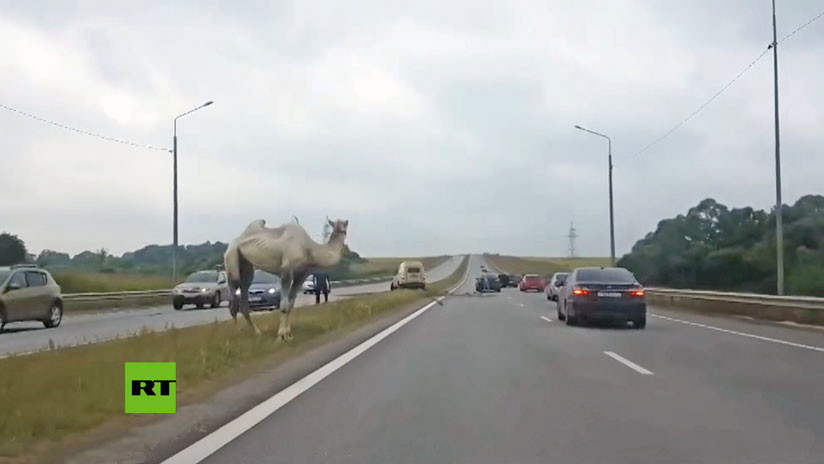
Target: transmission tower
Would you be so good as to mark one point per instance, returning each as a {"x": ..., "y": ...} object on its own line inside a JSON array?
[{"x": 572, "y": 236}]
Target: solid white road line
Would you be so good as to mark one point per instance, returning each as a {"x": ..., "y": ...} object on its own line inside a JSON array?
[
  {"x": 546, "y": 318},
  {"x": 212, "y": 442},
  {"x": 627, "y": 363},
  {"x": 743, "y": 334}
]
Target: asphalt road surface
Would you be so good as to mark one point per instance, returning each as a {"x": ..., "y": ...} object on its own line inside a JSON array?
[
  {"x": 498, "y": 379},
  {"x": 89, "y": 328}
]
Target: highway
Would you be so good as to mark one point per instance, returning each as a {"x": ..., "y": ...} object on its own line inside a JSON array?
[
  {"x": 498, "y": 379},
  {"x": 78, "y": 329}
]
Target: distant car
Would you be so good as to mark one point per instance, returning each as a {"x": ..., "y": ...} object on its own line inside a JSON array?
[
  {"x": 265, "y": 291},
  {"x": 504, "y": 278},
  {"x": 201, "y": 287},
  {"x": 28, "y": 293},
  {"x": 514, "y": 280},
  {"x": 411, "y": 274},
  {"x": 487, "y": 283},
  {"x": 605, "y": 293},
  {"x": 532, "y": 282},
  {"x": 309, "y": 285},
  {"x": 554, "y": 285}
]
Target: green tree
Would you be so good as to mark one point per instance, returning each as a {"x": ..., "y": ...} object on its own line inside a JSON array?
[
  {"x": 52, "y": 258},
  {"x": 12, "y": 249},
  {"x": 715, "y": 247}
]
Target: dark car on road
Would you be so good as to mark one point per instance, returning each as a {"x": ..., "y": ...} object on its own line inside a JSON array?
[
  {"x": 488, "y": 283},
  {"x": 514, "y": 280},
  {"x": 264, "y": 291},
  {"x": 28, "y": 293},
  {"x": 610, "y": 294},
  {"x": 504, "y": 278}
]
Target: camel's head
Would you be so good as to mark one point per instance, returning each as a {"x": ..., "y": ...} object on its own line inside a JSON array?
[{"x": 339, "y": 228}]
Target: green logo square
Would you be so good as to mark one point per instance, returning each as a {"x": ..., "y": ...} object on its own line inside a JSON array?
[{"x": 150, "y": 387}]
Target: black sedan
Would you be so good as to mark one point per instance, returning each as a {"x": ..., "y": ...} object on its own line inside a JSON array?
[
  {"x": 487, "y": 283},
  {"x": 265, "y": 291},
  {"x": 607, "y": 294}
]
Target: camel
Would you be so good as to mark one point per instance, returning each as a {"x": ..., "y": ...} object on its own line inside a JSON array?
[{"x": 286, "y": 251}]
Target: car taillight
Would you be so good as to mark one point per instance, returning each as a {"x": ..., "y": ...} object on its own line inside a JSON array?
[
  {"x": 580, "y": 291},
  {"x": 637, "y": 292}
]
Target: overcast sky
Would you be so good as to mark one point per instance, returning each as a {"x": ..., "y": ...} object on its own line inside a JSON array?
[{"x": 434, "y": 127}]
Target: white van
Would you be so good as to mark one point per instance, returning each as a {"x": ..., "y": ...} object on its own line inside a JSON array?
[{"x": 411, "y": 274}]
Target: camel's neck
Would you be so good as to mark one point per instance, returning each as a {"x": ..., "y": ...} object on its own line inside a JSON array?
[{"x": 329, "y": 254}]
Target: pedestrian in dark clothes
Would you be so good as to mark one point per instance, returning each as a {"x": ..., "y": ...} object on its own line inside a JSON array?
[{"x": 322, "y": 285}]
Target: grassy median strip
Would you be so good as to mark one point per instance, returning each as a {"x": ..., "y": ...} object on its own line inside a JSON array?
[
  {"x": 542, "y": 266},
  {"x": 48, "y": 396}
]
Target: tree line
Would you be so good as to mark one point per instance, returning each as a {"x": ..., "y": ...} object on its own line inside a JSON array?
[
  {"x": 718, "y": 248},
  {"x": 151, "y": 259}
]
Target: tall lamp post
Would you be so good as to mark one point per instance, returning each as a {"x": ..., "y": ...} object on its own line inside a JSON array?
[
  {"x": 779, "y": 228},
  {"x": 174, "y": 156},
  {"x": 611, "y": 216}
]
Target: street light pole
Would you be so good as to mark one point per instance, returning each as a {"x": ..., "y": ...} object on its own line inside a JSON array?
[
  {"x": 174, "y": 188},
  {"x": 779, "y": 227},
  {"x": 611, "y": 214}
]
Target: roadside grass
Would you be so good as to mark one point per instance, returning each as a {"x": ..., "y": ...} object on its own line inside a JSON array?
[
  {"x": 73, "y": 281},
  {"x": 77, "y": 281},
  {"x": 543, "y": 266},
  {"x": 388, "y": 266},
  {"x": 50, "y": 396}
]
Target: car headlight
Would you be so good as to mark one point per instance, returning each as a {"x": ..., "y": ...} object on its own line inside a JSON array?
[
  {"x": 237, "y": 292},
  {"x": 272, "y": 291},
  {"x": 203, "y": 290}
]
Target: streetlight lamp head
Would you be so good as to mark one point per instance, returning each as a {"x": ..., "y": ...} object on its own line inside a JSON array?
[
  {"x": 578, "y": 127},
  {"x": 208, "y": 103}
]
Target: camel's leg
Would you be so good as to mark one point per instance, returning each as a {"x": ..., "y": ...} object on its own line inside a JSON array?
[
  {"x": 297, "y": 283},
  {"x": 286, "y": 284},
  {"x": 247, "y": 274}
]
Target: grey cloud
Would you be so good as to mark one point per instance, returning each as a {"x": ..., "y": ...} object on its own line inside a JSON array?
[{"x": 434, "y": 127}]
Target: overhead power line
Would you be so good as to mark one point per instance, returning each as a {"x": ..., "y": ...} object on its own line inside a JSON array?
[
  {"x": 700, "y": 108},
  {"x": 723, "y": 89},
  {"x": 81, "y": 131},
  {"x": 799, "y": 28}
]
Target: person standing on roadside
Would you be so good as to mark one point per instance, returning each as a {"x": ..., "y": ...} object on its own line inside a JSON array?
[{"x": 322, "y": 285}]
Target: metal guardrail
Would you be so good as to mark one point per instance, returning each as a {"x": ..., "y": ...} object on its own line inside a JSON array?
[
  {"x": 801, "y": 302},
  {"x": 102, "y": 296}
]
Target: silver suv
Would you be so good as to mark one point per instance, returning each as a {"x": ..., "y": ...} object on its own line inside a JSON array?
[
  {"x": 201, "y": 287},
  {"x": 28, "y": 293}
]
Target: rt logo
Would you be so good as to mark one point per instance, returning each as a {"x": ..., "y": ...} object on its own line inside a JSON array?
[{"x": 150, "y": 388}]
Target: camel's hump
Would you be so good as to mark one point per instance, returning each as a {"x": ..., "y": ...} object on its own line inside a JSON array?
[
  {"x": 259, "y": 227},
  {"x": 255, "y": 226}
]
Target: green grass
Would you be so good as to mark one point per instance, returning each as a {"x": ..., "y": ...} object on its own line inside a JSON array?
[
  {"x": 543, "y": 266},
  {"x": 48, "y": 397},
  {"x": 388, "y": 266},
  {"x": 72, "y": 281},
  {"x": 76, "y": 281}
]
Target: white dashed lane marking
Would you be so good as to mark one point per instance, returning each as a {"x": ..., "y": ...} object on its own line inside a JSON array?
[{"x": 627, "y": 363}]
